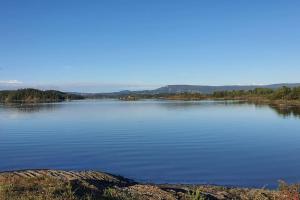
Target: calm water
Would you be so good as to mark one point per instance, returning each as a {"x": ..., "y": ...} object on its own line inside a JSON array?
[{"x": 223, "y": 143}]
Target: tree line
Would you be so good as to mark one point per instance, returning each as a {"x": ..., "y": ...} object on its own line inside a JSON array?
[
  {"x": 283, "y": 93},
  {"x": 34, "y": 95}
]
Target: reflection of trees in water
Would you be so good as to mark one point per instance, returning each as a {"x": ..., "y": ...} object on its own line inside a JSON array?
[
  {"x": 30, "y": 108},
  {"x": 283, "y": 111},
  {"x": 287, "y": 111},
  {"x": 187, "y": 105}
]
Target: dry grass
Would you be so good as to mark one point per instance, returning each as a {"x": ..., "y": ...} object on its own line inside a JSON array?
[
  {"x": 37, "y": 188},
  {"x": 80, "y": 187},
  {"x": 289, "y": 192},
  {"x": 49, "y": 188}
]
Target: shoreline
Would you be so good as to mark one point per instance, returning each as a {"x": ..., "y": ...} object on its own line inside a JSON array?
[
  {"x": 253, "y": 100},
  {"x": 100, "y": 185}
]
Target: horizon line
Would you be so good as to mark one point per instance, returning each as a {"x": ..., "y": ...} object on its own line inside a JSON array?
[{"x": 16, "y": 86}]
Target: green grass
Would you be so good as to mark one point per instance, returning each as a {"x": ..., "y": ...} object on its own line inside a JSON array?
[
  {"x": 114, "y": 194},
  {"x": 196, "y": 195}
]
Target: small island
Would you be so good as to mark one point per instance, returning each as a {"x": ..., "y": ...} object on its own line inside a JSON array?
[
  {"x": 36, "y": 96},
  {"x": 128, "y": 98}
]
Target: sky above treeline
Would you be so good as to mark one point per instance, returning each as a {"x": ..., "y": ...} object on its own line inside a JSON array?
[{"x": 111, "y": 45}]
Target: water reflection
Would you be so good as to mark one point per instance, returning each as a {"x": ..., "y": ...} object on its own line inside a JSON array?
[
  {"x": 220, "y": 142},
  {"x": 31, "y": 108},
  {"x": 282, "y": 111},
  {"x": 171, "y": 105},
  {"x": 287, "y": 111}
]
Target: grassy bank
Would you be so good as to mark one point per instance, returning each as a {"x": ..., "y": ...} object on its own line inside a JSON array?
[{"x": 91, "y": 185}]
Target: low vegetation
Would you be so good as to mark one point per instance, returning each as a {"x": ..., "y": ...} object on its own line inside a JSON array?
[
  {"x": 35, "y": 96},
  {"x": 62, "y": 185}
]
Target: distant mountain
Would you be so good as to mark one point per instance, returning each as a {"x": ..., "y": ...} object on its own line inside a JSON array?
[
  {"x": 210, "y": 89},
  {"x": 204, "y": 89}
]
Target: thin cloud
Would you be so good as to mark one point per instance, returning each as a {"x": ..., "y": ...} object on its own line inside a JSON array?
[{"x": 13, "y": 82}]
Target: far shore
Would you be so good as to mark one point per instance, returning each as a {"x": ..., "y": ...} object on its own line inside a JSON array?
[
  {"x": 254, "y": 100},
  {"x": 283, "y": 96}
]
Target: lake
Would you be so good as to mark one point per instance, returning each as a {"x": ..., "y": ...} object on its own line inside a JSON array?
[{"x": 214, "y": 142}]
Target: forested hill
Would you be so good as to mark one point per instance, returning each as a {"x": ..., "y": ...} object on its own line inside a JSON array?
[
  {"x": 211, "y": 89},
  {"x": 35, "y": 96},
  {"x": 179, "y": 89}
]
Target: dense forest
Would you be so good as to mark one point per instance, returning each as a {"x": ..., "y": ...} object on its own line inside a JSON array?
[
  {"x": 283, "y": 93},
  {"x": 258, "y": 94},
  {"x": 35, "y": 96},
  {"x": 263, "y": 94}
]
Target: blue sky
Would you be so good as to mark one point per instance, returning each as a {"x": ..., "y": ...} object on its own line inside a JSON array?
[{"x": 111, "y": 45}]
